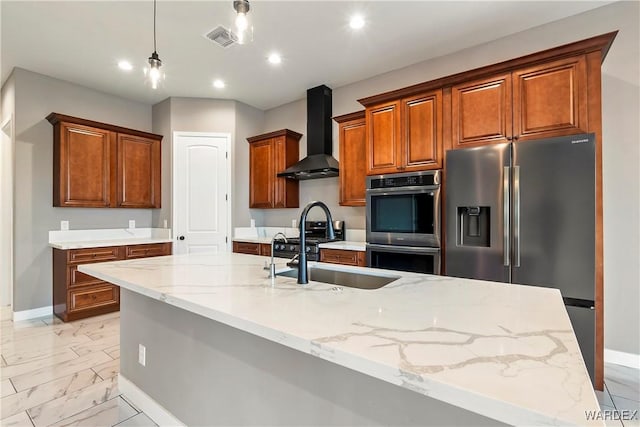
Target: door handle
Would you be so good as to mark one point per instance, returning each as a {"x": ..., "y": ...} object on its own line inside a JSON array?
[
  {"x": 506, "y": 241},
  {"x": 516, "y": 215},
  {"x": 180, "y": 237}
]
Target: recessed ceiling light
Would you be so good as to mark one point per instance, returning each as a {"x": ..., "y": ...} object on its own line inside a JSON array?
[
  {"x": 356, "y": 22},
  {"x": 274, "y": 58},
  {"x": 125, "y": 65},
  {"x": 218, "y": 84}
]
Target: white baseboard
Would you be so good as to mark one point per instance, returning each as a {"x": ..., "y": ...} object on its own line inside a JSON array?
[
  {"x": 146, "y": 404},
  {"x": 621, "y": 358},
  {"x": 32, "y": 314}
]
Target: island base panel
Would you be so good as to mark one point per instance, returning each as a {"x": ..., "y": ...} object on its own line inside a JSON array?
[{"x": 208, "y": 373}]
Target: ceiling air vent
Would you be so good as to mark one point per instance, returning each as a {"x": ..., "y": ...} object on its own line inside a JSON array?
[{"x": 221, "y": 36}]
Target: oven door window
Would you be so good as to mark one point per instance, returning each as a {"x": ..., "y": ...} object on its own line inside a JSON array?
[{"x": 402, "y": 213}]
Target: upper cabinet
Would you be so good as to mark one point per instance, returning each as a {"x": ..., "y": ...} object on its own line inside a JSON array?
[
  {"x": 536, "y": 102},
  {"x": 270, "y": 154},
  {"x": 405, "y": 134},
  {"x": 352, "y": 134},
  {"x": 101, "y": 165},
  {"x": 138, "y": 172}
]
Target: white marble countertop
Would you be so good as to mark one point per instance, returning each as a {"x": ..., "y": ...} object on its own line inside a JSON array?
[
  {"x": 80, "y": 239},
  {"x": 504, "y": 351},
  {"x": 252, "y": 239},
  {"x": 344, "y": 245}
]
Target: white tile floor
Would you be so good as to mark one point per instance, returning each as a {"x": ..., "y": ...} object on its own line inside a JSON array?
[{"x": 65, "y": 374}]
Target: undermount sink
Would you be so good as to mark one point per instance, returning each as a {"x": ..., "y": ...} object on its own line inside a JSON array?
[{"x": 343, "y": 278}]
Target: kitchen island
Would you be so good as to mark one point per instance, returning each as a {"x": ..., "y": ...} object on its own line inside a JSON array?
[{"x": 225, "y": 347}]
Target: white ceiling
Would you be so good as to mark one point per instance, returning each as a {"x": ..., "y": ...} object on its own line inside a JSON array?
[{"x": 82, "y": 41}]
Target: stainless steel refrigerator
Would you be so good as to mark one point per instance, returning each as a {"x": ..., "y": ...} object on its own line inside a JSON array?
[{"x": 525, "y": 213}]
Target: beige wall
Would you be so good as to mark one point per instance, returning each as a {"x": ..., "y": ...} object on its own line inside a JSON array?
[
  {"x": 36, "y": 96},
  {"x": 620, "y": 85}
]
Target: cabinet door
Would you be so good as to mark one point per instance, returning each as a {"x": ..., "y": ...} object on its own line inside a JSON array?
[
  {"x": 261, "y": 174},
  {"x": 138, "y": 172},
  {"x": 550, "y": 99},
  {"x": 83, "y": 158},
  {"x": 383, "y": 136},
  {"x": 481, "y": 112},
  {"x": 422, "y": 131},
  {"x": 286, "y": 193},
  {"x": 352, "y": 162}
]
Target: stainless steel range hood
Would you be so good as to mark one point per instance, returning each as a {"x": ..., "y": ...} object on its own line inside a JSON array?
[{"x": 319, "y": 163}]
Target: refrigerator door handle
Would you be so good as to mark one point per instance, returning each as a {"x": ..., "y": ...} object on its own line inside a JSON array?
[
  {"x": 505, "y": 215},
  {"x": 516, "y": 215}
]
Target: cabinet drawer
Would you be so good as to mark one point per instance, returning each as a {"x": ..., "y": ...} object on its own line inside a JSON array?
[
  {"x": 144, "y": 251},
  {"x": 97, "y": 296},
  {"x": 339, "y": 256},
  {"x": 246, "y": 248},
  {"x": 77, "y": 278},
  {"x": 81, "y": 256}
]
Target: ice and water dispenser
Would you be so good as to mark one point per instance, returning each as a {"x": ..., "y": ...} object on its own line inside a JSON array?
[{"x": 473, "y": 226}]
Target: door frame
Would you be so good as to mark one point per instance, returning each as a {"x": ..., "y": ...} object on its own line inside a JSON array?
[
  {"x": 174, "y": 178},
  {"x": 7, "y": 132}
]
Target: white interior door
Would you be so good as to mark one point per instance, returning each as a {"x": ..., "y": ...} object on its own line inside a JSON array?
[{"x": 201, "y": 205}]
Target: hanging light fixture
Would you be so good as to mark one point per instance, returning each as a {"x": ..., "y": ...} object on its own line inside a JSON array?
[
  {"x": 155, "y": 75},
  {"x": 243, "y": 29}
]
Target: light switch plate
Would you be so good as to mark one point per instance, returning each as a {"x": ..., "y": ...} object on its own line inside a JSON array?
[
  {"x": 64, "y": 225},
  {"x": 132, "y": 223},
  {"x": 293, "y": 223},
  {"x": 253, "y": 223},
  {"x": 165, "y": 223}
]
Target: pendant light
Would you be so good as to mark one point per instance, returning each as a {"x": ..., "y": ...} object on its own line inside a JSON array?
[
  {"x": 154, "y": 60},
  {"x": 243, "y": 29}
]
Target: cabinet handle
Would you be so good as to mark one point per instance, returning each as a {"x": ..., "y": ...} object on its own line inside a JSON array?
[
  {"x": 515, "y": 138},
  {"x": 509, "y": 138}
]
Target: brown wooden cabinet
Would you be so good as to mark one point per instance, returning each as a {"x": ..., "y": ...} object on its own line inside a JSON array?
[
  {"x": 101, "y": 165},
  {"x": 77, "y": 295},
  {"x": 405, "y": 135},
  {"x": 252, "y": 248},
  {"x": 270, "y": 154},
  {"x": 353, "y": 165},
  {"x": 138, "y": 172},
  {"x": 345, "y": 257},
  {"x": 539, "y": 101}
]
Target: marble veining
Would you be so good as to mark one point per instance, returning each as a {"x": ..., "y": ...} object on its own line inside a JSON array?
[{"x": 503, "y": 351}]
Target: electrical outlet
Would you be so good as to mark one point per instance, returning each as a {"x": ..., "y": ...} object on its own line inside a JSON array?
[
  {"x": 64, "y": 225},
  {"x": 132, "y": 223},
  {"x": 142, "y": 355},
  {"x": 293, "y": 223},
  {"x": 165, "y": 223},
  {"x": 253, "y": 223}
]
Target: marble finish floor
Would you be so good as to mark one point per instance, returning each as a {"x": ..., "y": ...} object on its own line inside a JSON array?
[
  {"x": 66, "y": 374},
  {"x": 63, "y": 374}
]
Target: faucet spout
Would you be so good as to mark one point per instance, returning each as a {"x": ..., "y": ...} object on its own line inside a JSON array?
[
  {"x": 303, "y": 273},
  {"x": 272, "y": 267}
]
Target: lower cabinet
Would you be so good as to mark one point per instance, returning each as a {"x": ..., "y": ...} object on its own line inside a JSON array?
[
  {"x": 250, "y": 248},
  {"x": 77, "y": 295},
  {"x": 345, "y": 257}
]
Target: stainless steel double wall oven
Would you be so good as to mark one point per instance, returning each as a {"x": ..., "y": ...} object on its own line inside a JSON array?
[{"x": 403, "y": 221}]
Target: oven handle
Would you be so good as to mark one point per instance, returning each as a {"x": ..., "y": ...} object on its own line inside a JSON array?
[
  {"x": 403, "y": 249},
  {"x": 403, "y": 190}
]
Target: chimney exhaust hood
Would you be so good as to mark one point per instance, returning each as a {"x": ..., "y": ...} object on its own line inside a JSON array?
[{"x": 319, "y": 162}]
